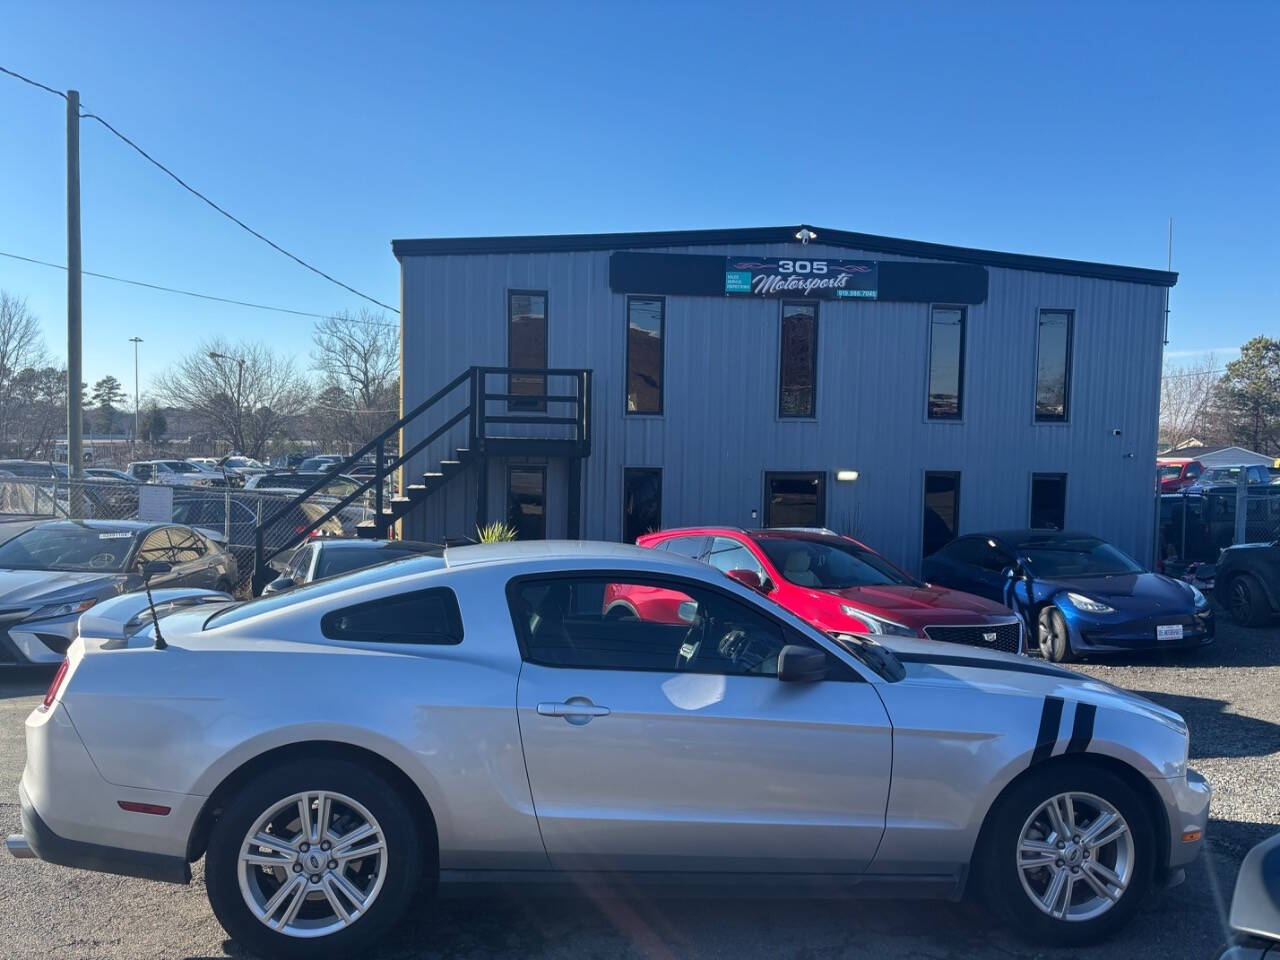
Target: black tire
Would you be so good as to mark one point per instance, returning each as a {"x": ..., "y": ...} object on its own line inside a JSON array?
[
  {"x": 1000, "y": 875},
  {"x": 1247, "y": 601},
  {"x": 405, "y": 859},
  {"x": 1053, "y": 637}
]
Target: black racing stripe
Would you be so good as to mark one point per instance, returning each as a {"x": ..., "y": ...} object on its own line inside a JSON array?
[
  {"x": 1050, "y": 720},
  {"x": 1082, "y": 728},
  {"x": 1012, "y": 666}
]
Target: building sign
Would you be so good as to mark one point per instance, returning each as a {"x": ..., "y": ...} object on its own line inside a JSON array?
[{"x": 821, "y": 278}]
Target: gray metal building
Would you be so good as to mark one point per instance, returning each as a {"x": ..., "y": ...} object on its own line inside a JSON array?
[{"x": 601, "y": 385}]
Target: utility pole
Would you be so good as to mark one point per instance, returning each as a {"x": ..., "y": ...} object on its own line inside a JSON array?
[
  {"x": 75, "y": 401},
  {"x": 135, "y": 341}
]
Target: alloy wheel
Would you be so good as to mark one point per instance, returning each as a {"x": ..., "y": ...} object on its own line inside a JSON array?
[
  {"x": 1075, "y": 856},
  {"x": 1241, "y": 600},
  {"x": 312, "y": 864}
]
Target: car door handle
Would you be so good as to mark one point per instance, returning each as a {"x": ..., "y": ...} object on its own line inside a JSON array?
[{"x": 576, "y": 710}]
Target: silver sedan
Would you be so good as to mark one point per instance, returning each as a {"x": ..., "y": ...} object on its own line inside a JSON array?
[{"x": 476, "y": 715}]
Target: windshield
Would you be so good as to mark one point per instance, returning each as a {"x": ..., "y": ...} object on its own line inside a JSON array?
[
  {"x": 1081, "y": 557},
  {"x": 242, "y": 462},
  {"x": 335, "y": 562},
  {"x": 180, "y": 466},
  {"x": 70, "y": 547},
  {"x": 830, "y": 564},
  {"x": 245, "y": 609},
  {"x": 1220, "y": 474},
  {"x": 1171, "y": 470}
]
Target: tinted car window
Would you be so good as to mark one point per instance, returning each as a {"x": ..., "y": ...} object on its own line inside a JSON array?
[
  {"x": 334, "y": 562},
  {"x": 425, "y": 616},
  {"x": 691, "y": 547},
  {"x": 829, "y": 564},
  {"x": 658, "y": 625},
  {"x": 975, "y": 552},
  {"x": 1080, "y": 557}
]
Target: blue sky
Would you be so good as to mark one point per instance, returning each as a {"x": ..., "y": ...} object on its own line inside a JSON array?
[{"x": 1070, "y": 130}]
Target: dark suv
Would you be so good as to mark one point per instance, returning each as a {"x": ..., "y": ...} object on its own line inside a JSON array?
[{"x": 1248, "y": 582}]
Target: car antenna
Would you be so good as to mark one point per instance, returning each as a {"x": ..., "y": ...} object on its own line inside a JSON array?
[{"x": 148, "y": 571}]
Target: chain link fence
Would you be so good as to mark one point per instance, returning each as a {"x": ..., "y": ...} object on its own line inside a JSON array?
[
  {"x": 230, "y": 516},
  {"x": 1193, "y": 526}
]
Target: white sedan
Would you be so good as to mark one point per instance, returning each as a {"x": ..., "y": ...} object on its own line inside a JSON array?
[{"x": 475, "y": 715}]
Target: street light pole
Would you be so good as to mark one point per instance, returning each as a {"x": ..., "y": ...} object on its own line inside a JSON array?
[
  {"x": 75, "y": 423},
  {"x": 135, "y": 341}
]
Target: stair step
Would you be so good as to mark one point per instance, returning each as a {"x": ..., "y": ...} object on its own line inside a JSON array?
[
  {"x": 415, "y": 490},
  {"x": 449, "y": 466},
  {"x": 462, "y": 452},
  {"x": 428, "y": 477}
]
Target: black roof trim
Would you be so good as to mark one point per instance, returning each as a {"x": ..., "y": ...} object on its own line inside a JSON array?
[{"x": 569, "y": 242}]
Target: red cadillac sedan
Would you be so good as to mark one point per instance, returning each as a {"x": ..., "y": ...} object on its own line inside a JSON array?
[{"x": 834, "y": 582}]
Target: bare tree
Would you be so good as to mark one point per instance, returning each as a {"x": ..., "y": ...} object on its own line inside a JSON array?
[
  {"x": 358, "y": 360},
  {"x": 22, "y": 351},
  {"x": 244, "y": 393},
  {"x": 1186, "y": 396}
]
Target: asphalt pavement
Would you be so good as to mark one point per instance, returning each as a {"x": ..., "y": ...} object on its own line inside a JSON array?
[{"x": 1229, "y": 694}]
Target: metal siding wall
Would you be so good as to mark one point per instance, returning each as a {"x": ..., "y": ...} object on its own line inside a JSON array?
[{"x": 720, "y": 431}]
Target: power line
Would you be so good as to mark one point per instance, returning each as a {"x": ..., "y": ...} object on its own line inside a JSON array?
[
  {"x": 192, "y": 190},
  {"x": 192, "y": 293}
]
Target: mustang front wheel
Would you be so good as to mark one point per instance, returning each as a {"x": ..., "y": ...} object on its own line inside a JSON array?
[
  {"x": 1071, "y": 854},
  {"x": 314, "y": 859}
]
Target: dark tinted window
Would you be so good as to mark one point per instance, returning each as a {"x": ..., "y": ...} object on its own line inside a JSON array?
[
  {"x": 829, "y": 564},
  {"x": 798, "y": 360},
  {"x": 641, "y": 502},
  {"x": 691, "y": 547},
  {"x": 527, "y": 502},
  {"x": 941, "y": 509},
  {"x": 795, "y": 499},
  {"x": 1053, "y": 365},
  {"x": 527, "y": 345},
  {"x": 975, "y": 552},
  {"x": 646, "y": 318},
  {"x": 1078, "y": 557},
  {"x": 946, "y": 363},
  {"x": 427, "y": 616},
  {"x": 334, "y": 562},
  {"x": 1048, "y": 501},
  {"x": 659, "y": 625}
]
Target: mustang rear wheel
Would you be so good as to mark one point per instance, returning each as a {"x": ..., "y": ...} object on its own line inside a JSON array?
[
  {"x": 313, "y": 859},
  {"x": 1070, "y": 854}
]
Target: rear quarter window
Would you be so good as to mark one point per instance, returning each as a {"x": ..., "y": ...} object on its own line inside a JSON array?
[{"x": 424, "y": 616}]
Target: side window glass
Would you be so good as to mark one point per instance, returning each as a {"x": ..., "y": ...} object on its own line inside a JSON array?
[
  {"x": 727, "y": 554},
  {"x": 187, "y": 545},
  {"x": 424, "y": 616},
  {"x": 691, "y": 547},
  {"x": 155, "y": 547},
  {"x": 299, "y": 564},
  {"x": 658, "y": 625}
]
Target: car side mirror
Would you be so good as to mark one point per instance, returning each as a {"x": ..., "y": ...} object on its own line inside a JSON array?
[
  {"x": 278, "y": 584},
  {"x": 687, "y": 610},
  {"x": 748, "y": 578},
  {"x": 797, "y": 664},
  {"x": 155, "y": 568}
]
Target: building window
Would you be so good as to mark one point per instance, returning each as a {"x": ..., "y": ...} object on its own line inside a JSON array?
[
  {"x": 1049, "y": 501},
  {"x": 527, "y": 502},
  {"x": 641, "y": 502},
  {"x": 941, "y": 509},
  {"x": 946, "y": 363},
  {"x": 527, "y": 346},
  {"x": 1053, "y": 365},
  {"x": 795, "y": 499},
  {"x": 798, "y": 360},
  {"x": 646, "y": 320}
]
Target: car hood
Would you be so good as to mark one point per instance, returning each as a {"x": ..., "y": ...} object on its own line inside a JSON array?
[
  {"x": 27, "y": 587},
  {"x": 922, "y": 606},
  {"x": 930, "y": 662},
  {"x": 1125, "y": 591}
]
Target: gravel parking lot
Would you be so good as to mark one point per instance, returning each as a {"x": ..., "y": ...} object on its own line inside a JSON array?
[{"x": 1229, "y": 694}]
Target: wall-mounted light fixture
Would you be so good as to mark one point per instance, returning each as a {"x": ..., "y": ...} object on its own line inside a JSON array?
[{"x": 847, "y": 476}]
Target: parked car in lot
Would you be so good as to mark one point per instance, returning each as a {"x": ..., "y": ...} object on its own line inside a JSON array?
[
  {"x": 741, "y": 742},
  {"x": 53, "y": 572},
  {"x": 242, "y": 467},
  {"x": 1247, "y": 582},
  {"x": 295, "y": 481},
  {"x": 321, "y": 559},
  {"x": 1079, "y": 594},
  {"x": 1255, "y": 905},
  {"x": 178, "y": 473},
  {"x": 323, "y": 462},
  {"x": 1214, "y": 478},
  {"x": 836, "y": 583},
  {"x": 109, "y": 473},
  {"x": 1175, "y": 473}
]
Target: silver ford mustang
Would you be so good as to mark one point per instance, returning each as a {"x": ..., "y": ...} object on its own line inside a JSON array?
[{"x": 474, "y": 715}]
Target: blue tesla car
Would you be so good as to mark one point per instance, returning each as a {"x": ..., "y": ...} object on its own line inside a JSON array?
[{"x": 1076, "y": 594}]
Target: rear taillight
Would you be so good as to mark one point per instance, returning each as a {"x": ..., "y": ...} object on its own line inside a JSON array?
[{"x": 56, "y": 686}]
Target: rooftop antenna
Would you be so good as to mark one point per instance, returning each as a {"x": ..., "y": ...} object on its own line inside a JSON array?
[{"x": 150, "y": 570}]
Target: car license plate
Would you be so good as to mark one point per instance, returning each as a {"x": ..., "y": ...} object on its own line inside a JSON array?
[{"x": 1171, "y": 631}]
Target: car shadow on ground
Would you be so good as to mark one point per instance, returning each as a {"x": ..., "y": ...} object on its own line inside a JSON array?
[{"x": 1217, "y": 732}]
